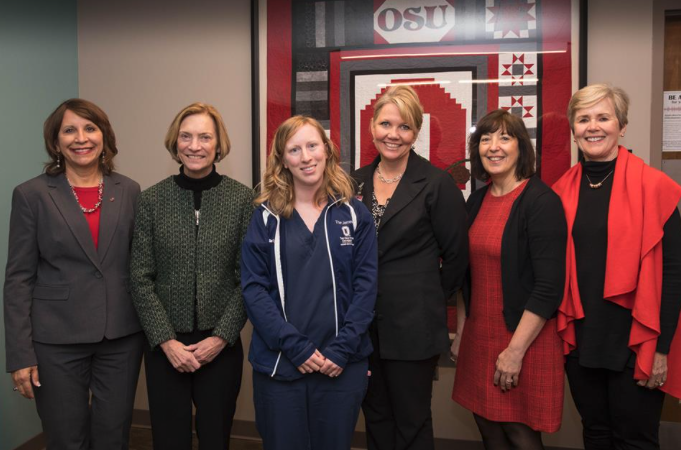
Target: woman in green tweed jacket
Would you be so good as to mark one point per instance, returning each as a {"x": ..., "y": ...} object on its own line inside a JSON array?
[{"x": 186, "y": 285}]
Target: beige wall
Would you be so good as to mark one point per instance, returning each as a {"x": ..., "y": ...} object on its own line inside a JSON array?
[
  {"x": 620, "y": 52},
  {"x": 626, "y": 49},
  {"x": 143, "y": 61}
]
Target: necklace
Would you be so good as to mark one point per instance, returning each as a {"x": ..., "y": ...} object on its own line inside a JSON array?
[
  {"x": 99, "y": 200},
  {"x": 600, "y": 183},
  {"x": 387, "y": 181}
]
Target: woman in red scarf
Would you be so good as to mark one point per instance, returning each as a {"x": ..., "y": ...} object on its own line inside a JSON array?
[{"x": 619, "y": 316}]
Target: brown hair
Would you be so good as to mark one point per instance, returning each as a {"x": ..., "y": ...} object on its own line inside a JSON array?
[
  {"x": 277, "y": 185},
  {"x": 594, "y": 93},
  {"x": 511, "y": 125},
  {"x": 407, "y": 101},
  {"x": 223, "y": 144},
  {"x": 86, "y": 110}
]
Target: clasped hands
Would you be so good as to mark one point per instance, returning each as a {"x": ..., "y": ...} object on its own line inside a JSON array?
[
  {"x": 190, "y": 358},
  {"x": 319, "y": 363}
]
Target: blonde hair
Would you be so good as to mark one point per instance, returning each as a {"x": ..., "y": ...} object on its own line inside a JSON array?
[
  {"x": 223, "y": 145},
  {"x": 407, "y": 101},
  {"x": 594, "y": 93},
  {"x": 277, "y": 185}
]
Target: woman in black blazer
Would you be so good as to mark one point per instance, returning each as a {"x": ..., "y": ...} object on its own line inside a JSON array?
[
  {"x": 422, "y": 257},
  {"x": 70, "y": 327}
]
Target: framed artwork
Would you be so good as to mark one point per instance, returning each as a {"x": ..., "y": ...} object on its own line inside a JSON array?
[{"x": 333, "y": 59}]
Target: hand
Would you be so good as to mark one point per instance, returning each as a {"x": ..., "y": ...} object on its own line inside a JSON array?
[
  {"x": 454, "y": 349},
  {"x": 331, "y": 369},
  {"x": 206, "y": 350},
  {"x": 24, "y": 380},
  {"x": 181, "y": 359},
  {"x": 508, "y": 367},
  {"x": 659, "y": 375},
  {"x": 313, "y": 363}
]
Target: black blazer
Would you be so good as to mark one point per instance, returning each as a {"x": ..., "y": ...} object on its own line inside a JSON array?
[
  {"x": 425, "y": 221},
  {"x": 59, "y": 289},
  {"x": 533, "y": 248}
]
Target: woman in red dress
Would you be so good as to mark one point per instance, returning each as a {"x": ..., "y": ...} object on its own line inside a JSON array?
[{"x": 510, "y": 365}]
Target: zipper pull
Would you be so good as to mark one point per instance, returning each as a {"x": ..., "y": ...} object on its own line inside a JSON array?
[{"x": 197, "y": 213}]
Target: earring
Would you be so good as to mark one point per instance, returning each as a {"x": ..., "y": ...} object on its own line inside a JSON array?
[
  {"x": 413, "y": 147},
  {"x": 103, "y": 157},
  {"x": 58, "y": 160}
]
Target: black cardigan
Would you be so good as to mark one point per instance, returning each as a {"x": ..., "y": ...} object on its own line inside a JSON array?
[{"x": 533, "y": 248}]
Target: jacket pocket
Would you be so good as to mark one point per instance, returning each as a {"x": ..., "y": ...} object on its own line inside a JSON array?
[{"x": 45, "y": 292}]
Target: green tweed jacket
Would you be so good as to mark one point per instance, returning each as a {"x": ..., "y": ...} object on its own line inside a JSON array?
[{"x": 177, "y": 271}]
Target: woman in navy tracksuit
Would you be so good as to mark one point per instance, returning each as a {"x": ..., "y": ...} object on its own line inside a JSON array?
[{"x": 308, "y": 274}]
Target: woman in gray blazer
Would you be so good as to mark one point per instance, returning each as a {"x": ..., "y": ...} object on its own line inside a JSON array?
[{"x": 71, "y": 331}]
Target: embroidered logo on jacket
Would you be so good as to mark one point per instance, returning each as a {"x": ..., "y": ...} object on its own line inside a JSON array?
[{"x": 346, "y": 238}]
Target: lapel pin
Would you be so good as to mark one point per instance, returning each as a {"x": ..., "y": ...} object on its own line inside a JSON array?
[{"x": 111, "y": 199}]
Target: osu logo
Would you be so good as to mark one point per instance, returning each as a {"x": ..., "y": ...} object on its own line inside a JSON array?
[{"x": 399, "y": 21}]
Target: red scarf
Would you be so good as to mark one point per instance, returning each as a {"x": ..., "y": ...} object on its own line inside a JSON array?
[{"x": 641, "y": 202}]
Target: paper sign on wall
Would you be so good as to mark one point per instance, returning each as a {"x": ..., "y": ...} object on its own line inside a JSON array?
[{"x": 671, "y": 122}]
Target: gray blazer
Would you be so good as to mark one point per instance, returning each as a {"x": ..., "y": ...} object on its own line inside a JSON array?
[{"x": 59, "y": 289}]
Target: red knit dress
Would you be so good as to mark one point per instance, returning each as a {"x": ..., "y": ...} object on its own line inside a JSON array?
[{"x": 537, "y": 401}]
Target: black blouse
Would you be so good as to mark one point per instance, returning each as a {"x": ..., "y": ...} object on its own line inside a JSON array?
[
  {"x": 603, "y": 334},
  {"x": 197, "y": 185}
]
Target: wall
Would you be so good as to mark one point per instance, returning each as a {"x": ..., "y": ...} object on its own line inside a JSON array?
[
  {"x": 144, "y": 61},
  {"x": 620, "y": 53},
  {"x": 38, "y": 50},
  {"x": 659, "y": 7},
  {"x": 626, "y": 49}
]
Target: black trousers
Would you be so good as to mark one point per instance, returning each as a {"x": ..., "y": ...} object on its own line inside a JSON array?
[
  {"x": 616, "y": 412},
  {"x": 69, "y": 374},
  {"x": 213, "y": 390},
  {"x": 397, "y": 405}
]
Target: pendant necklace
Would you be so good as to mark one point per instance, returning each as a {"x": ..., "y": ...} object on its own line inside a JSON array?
[{"x": 600, "y": 183}]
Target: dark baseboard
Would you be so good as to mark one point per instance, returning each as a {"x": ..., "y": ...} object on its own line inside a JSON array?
[
  {"x": 35, "y": 443},
  {"x": 245, "y": 429}
]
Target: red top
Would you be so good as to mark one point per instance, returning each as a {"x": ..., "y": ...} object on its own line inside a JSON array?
[
  {"x": 88, "y": 198},
  {"x": 642, "y": 199}
]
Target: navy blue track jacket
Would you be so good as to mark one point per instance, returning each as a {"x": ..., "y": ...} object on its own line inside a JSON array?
[{"x": 277, "y": 347}]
